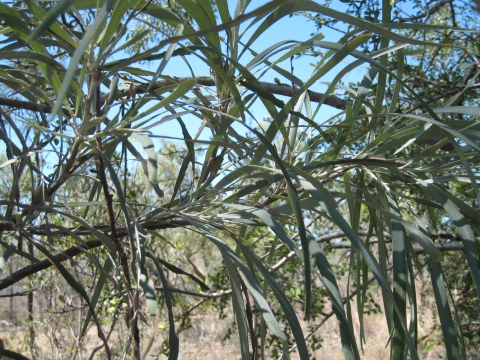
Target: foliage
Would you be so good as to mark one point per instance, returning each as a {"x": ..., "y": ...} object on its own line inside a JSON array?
[{"x": 97, "y": 194}]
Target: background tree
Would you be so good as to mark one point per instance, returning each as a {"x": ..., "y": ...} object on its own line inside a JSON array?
[{"x": 135, "y": 237}]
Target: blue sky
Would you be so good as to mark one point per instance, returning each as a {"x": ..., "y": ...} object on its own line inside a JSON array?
[{"x": 297, "y": 28}]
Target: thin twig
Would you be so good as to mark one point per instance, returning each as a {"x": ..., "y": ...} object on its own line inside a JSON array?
[
  {"x": 273, "y": 88},
  {"x": 69, "y": 253},
  {"x": 19, "y": 293},
  {"x": 427, "y": 14},
  {"x": 456, "y": 246},
  {"x": 113, "y": 235},
  {"x": 195, "y": 293}
]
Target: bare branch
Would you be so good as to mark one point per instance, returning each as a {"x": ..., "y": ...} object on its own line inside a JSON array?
[
  {"x": 19, "y": 293},
  {"x": 277, "y": 89},
  {"x": 27, "y": 105},
  {"x": 45, "y": 264},
  {"x": 195, "y": 293},
  {"x": 426, "y": 14},
  {"x": 65, "y": 255},
  {"x": 455, "y": 246}
]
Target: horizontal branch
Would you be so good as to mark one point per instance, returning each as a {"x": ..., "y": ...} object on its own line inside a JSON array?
[
  {"x": 427, "y": 14},
  {"x": 45, "y": 264},
  {"x": 77, "y": 249},
  {"x": 71, "y": 252},
  {"x": 417, "y": 248},
  {"x": 195, "y": 293},
  {"x": 53, "y": 230},
  {"x": 27, "y": 105},
  {"x": 18, "y": 293},
  {"x": 273, "y": 88},
  {"x": 456, "y": 246}
]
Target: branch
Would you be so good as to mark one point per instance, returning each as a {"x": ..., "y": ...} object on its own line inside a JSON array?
[
  {"x": 426, "y": 14},
  {"x": 417, "y": 248},
  {"x": 65, "y": 255},
  {"x": 122, "y": 231},
  {"x": 278, "y": 89},
  {"x": 195, "y": 293},
  {"x": 45, "y": 264},
  {"x": 339, "y": 234},
  {"x": 19, "y": 293},
  {"x": 27, "y": 105},
  {"x": 273, "y": 88}
]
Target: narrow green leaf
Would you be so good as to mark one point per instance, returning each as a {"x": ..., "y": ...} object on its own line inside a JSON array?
[
  {"x": 270, "y": 221},
  {"x": 115, "y": 21},
  {"x": 78, "y": 55},
  {"x": 165, "y": 59},
  {"x": 59, "y": 8},
  {"x": 173, "y": 342},
  {"x": 180, "y": 271},
  {"x": 189, "y": 143},
  {"x": 96, "y": 294},
  {"x": 238, "y": 306},
  {"x": 57, "y": 31},
  {"x": 466, "y": 110},
  {"x": 149, "y": 148},
  {"x": 441, "y": 300},
  {"x": 149, "y": 290},
  {"x": 349, "y": 343},
  {"x": 464, "y": 230},
  {"x": 397, "y": 232}
]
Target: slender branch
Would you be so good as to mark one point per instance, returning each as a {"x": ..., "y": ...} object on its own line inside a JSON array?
[
  {"x": 340, "y": 234},
  {"x": 27, "y": 105},
  {"x": 41, "y": 230},
  {"x": 121, "y": 231},
  {"x": 426, "y": 14},
  {"x": 18, "y": 293},
  {"x": 111, "y": 217},
  {"x": 273, "y": 88},
  {"x": 45, "y": 264},
  {"x": 67, "y": 254},
  {"x": 184, "y": 316},
  {"x": 97, "y": 347},
  {"x": 195, "y": 293},
  {"x": 277, "y": 89}
]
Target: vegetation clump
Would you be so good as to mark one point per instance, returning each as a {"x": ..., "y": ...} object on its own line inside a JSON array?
[{"x": 166, "y": 164}]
